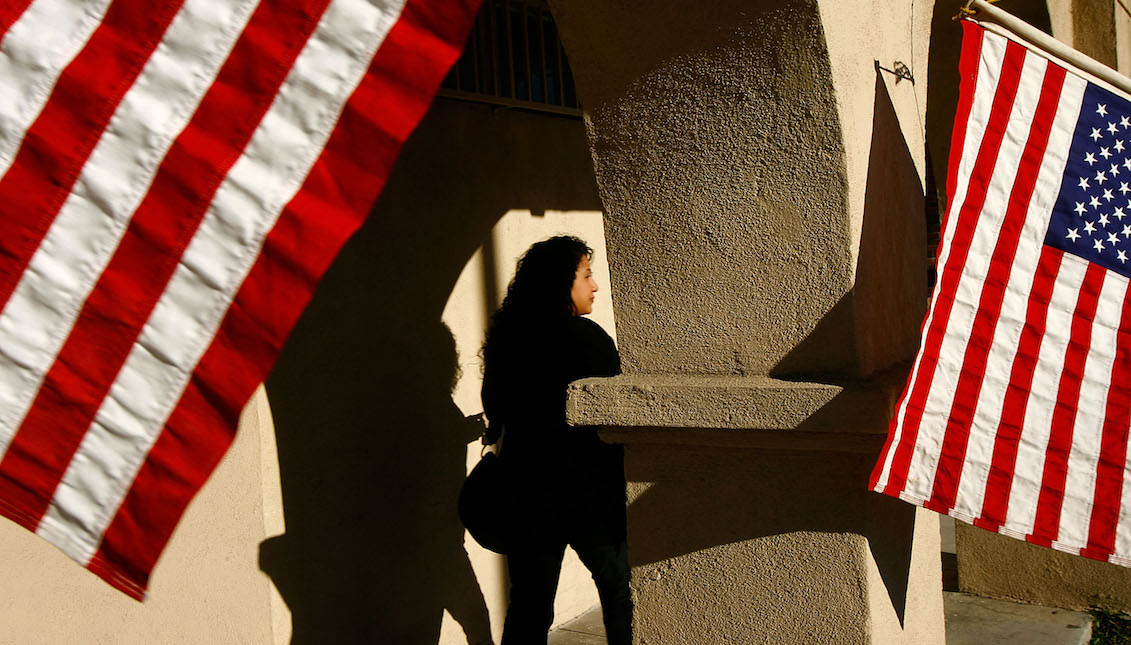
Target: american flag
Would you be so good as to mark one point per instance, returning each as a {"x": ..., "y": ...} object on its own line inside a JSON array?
[
  {"x": 1016, "y": 414},
  {"x": 175, "y": 177}
]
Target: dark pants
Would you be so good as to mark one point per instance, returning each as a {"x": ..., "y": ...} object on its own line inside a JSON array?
[{"x": 534, "y": 582}]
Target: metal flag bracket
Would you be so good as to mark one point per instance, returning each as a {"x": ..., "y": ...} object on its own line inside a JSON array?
[{"x": 901, "y": 71}]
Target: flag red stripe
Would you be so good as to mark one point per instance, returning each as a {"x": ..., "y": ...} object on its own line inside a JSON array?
[
  {"x": 1000, "y": 479},
  {"x": 949, "y": 276},
  {"x": 332, "y": 203},
  {"x": 1051, "y": 498},
  {"x": 968, "y": 61},
  {"x": 1110, "y": 468},
  {"x": 59, "y": 141},
  {"x": 952, "y": 455},
  {"x": 972, "y": 39},
  {"x": 129, "y": 288},
  {"x": 10, "y": 12}
]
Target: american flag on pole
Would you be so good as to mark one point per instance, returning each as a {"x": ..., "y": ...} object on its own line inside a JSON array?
[
  {"x": 175, "y": 177},
  {"x": 1016, "y": 414}
]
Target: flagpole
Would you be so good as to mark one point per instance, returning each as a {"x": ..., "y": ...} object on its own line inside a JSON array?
[{"x": 1050, "y": 44}]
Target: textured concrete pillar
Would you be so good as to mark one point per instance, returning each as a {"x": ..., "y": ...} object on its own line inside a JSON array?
[{"x": 761, "y": 174}]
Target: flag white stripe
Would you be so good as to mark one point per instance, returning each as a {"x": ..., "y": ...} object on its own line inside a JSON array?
[
  {"x": 981, "y": 110},
  {"x": 1080, "y": 484},
  {"x": 993, "y": 53},
  {"x": 960, "y": 325},
  {"x": 217, "y": 260},
  {"x": 1123, "y": 527},
  {"x": 1029, "y": 470},
  {"x": 35, "y": 50},
  {"x": 1011, "y": 321},
  {"x": 111, "y": 185}
]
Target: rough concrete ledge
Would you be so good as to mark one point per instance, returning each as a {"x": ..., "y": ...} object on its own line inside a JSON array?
[{"x": 657, "y": 404}]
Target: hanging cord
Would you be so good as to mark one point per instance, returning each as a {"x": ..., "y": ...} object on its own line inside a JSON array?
[
  {"x": 915, "y": 94},
  {"x": 965, "y": 11},
  {"x": 1124, "y": 5}
]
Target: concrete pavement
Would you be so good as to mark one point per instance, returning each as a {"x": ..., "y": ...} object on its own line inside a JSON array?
[{"x": 970, "y": 620}]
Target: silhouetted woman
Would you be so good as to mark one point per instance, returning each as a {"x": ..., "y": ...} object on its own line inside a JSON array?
[{"x": 568, "y": 484}]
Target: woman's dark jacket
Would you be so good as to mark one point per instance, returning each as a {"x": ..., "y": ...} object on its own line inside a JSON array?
[{"x": 568, "y": 485}]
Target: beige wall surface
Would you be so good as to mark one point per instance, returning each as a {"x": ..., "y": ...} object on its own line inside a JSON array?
[
  {"x": 739, "y": 160},
  {"x": 763, "y": 179},
  {"x": 758, "y": 545},
  {"x": 207, "y": 587},
  {"x": 1003, "y": 567},
  {"x": 1123, "y": 36}
]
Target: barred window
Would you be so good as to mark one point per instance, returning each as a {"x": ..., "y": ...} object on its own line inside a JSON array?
[{"x": 514, "y": 58}]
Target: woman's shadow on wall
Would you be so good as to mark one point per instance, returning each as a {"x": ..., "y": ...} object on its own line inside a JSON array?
[{"x": 372, "y": 449}]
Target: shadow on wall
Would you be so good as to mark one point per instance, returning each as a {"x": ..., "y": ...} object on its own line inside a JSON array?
[
  {"x": 942, "y": 75},
  {"x": 372, "y": 449},
  {"x": 887, "y": 302},
  {"x": 825, "y": 493}
]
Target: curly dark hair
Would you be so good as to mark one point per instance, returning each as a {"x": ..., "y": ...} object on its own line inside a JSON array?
[{"x": 540, "y": 290}]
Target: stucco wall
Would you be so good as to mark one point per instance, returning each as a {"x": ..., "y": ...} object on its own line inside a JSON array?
[
  {"x": 1123, "y": 38},
  {"x": 882, "y": 120},
  {"x": 751, "y": 543},
  {"x": 734, "y": 150},
  {"x": 719, "y": 156},
  {"x": 1003, "y": 567},
  {"x": 762, "y": 177},
  {"x": 207, "y": 587}
]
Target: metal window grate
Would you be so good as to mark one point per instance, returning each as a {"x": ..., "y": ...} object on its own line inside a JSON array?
[{"x": 514, "y": 58}]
